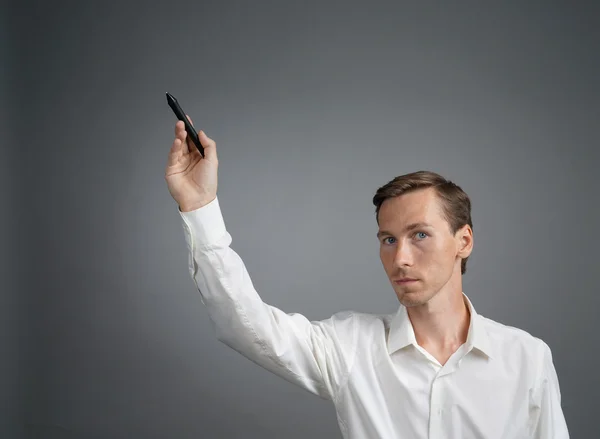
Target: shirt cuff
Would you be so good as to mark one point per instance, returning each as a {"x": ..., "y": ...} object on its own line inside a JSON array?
[{"x": 205, "y": 224}]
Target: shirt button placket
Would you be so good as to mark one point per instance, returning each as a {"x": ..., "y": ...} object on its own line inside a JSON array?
[{"x": 436, "y": 430}]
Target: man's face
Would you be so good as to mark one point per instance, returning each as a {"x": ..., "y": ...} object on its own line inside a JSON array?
[{"x": 428, "y": 253}]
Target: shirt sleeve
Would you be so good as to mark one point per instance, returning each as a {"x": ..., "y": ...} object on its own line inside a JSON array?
[
  {"x": 547, "y": 416},
  {"x": 315, "y": 355}
]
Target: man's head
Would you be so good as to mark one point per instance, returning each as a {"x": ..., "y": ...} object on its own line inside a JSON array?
[{"x": 435, "y": 252}]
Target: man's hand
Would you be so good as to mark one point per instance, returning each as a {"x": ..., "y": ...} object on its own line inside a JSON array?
[{"x": 191, "y": 179}]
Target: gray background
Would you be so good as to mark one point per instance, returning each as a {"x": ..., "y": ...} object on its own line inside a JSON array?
[{"x": 313, "y": 107}]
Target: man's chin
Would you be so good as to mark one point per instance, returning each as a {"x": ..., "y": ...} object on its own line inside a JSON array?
[{"x": 413, "y": 298}]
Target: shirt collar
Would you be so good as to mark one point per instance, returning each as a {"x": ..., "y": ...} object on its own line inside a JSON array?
[{"x": 402, "y": 333}]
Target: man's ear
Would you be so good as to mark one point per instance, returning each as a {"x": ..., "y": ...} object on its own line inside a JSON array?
[{"x": 465, "y": 241}]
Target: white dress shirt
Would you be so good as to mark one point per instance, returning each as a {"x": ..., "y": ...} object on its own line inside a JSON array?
[{"x": 500, "y": 384}]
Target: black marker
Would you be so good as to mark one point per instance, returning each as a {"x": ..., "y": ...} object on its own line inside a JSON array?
[{"x": 188, "y": 126}]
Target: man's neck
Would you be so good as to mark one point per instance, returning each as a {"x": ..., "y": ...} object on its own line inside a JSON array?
[{"x": 442, "y": 324}]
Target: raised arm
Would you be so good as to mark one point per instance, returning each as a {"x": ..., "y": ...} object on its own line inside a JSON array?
[{"x": 316, "y": 355}]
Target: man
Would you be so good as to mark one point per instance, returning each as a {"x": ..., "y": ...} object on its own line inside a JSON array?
[{"x": 433, "y": 369}]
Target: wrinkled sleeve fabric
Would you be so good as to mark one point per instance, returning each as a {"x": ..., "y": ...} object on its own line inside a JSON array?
[
  {"x": 548, "y": 420},
  {"x": 315, "y": 355}
]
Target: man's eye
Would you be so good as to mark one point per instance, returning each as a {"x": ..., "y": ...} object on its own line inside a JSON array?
[{"x": 423, "y": 235}]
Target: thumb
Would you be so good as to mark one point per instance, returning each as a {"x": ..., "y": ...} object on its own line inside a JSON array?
[{"x": 209, "y": 145}]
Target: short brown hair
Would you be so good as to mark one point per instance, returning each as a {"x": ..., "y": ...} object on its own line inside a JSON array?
[{"x": 456, "y": 205}]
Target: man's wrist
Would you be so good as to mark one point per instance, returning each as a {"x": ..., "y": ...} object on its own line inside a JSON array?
[{"x": 188, "y": 207}]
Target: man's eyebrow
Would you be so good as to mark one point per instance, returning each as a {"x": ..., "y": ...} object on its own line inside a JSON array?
[{"x": 406, "y": 229}]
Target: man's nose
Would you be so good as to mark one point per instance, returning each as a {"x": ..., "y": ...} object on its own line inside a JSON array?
[{"x": 403, "y": 255}]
